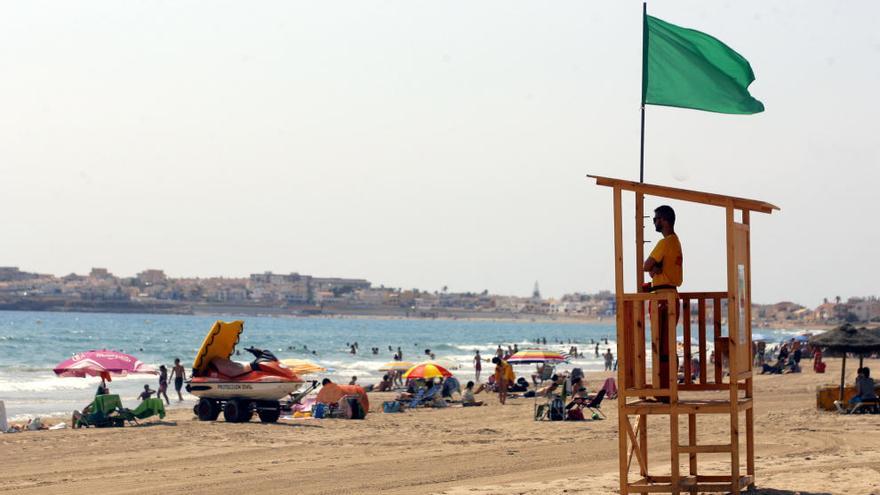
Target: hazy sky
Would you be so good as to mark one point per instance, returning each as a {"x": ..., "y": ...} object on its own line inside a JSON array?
[{"x": 423, "y": 144}]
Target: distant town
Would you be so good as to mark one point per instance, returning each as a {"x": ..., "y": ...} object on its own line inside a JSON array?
[{"x": 152, "y": 291}]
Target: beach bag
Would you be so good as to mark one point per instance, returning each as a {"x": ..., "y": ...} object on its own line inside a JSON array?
[
  {"x": 319, "y": 411},
  {"x": 575, "y": 414},
  {"x": 557, "y": 410},
  {"x": 351, "y": 408},
  {"x": 391, "y": 406}
]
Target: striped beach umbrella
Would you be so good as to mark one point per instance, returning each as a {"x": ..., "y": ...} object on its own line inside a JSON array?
[
  {"x": 396, "y": 366},
  {"x": 532, "y": 356},
  {"x": 427, "y": 370}
]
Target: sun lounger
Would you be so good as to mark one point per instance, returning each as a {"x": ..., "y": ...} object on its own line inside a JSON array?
[
  {"x": 146, "y": 409},
  {"x": 103, "y": 412}
]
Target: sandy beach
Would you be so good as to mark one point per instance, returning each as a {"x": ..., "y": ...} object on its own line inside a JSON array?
[{"x": 456, "y": 450}]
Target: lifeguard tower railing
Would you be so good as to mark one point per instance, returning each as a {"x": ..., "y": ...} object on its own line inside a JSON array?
[{"x": 692, "y": 387}]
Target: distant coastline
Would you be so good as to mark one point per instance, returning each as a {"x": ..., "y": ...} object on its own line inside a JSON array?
[{"x": 293, "y": 311}]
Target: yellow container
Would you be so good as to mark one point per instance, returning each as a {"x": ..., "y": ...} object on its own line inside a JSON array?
[{"x": 827, "y": 394}]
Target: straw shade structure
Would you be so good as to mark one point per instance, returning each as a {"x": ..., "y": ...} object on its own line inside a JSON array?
[{"x": 847, "y": 338}]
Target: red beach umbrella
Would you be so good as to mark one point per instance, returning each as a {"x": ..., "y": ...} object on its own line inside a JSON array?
[{"x": 102, "y": 363}]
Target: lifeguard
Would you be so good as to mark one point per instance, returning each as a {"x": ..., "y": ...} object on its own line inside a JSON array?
[{"x": 664, "y": 264}]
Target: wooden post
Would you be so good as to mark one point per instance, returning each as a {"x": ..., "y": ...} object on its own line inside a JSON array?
[
  {"x": 701, "y": 326},
  {"x": 692, "y": 442},
  {"x": 686, "y": 340},
  {"x": 750, "y": 412},
  {"x": 719, "y": 349},
  {"x": 732, "y": 342},
  {"x": 671, "y": 312},
  {"x": 621, "y": 397}
]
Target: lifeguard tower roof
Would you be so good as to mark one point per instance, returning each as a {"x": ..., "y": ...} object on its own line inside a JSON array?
[{"x": 686, "y": 194}]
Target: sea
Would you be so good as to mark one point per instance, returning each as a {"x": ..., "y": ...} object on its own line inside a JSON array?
[{"x": 33, "y": 343}]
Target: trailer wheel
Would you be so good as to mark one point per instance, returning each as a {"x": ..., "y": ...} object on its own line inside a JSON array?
[
  {"x": 269, "y": 415},
  {"x": 237, "y": 411},
  {"x": 207, "y": 410}
]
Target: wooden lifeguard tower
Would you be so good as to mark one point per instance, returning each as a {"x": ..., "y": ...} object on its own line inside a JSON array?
[{"x": 723, "y": 389}]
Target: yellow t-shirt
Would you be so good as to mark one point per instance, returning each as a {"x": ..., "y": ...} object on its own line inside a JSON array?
[{"x": 667, "y": 252}]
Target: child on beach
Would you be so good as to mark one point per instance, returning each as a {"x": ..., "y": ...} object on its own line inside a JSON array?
[
  {"x": 163, "y": 384},
  {"x": 467, "y": 397},
  {"x": 147, "y": 393}
]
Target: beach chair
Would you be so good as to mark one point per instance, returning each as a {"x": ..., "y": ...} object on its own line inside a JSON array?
[
  {"x": 866, "y": 407},
  {"x": 595, "y": 403},
  {"x": 423, "y": 397},
  {"x": 546, "y": 373},
  {"x": 417, "y": 399},
  {"x": 104, "y": 412},
  {"x": 147, "y": 408}
]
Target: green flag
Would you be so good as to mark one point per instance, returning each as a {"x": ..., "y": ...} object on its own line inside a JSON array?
[{"x": 689, "y": 69}]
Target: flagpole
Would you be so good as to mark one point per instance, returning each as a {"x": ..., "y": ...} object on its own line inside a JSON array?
[{"x": 644, "y": 46}]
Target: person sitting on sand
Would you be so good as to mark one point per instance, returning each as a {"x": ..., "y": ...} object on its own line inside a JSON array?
[
  {"x": 103, "y": 389},
  {"x": 147, "y": 393},
  {"x": 554, "y": 387},
  {"x": 450, "y": 385},
  {"x": 331, "y": 393},
  {"x": 384, "y": 386},
  {"x": 864, "y": 387},
  {"x": 467, "y": 397},
  {"x": 775, "y": 369}
]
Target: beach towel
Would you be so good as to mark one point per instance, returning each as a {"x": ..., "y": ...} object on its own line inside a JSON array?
[
  {"x": 304, "y": 405},
  {"x": 148, "y": 408},
  {"x": 610, "y": 388}
]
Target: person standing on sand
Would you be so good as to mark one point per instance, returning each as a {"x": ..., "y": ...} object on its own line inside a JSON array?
[
  {"x": 609, "y": 359},
  {"x": 178, "y": 372},
  {"x": 163, "y": 384},
  {"x": 665, "y": 264},
  {"x": 503, "y": 378},
  {"x": 478, "y": 366}
]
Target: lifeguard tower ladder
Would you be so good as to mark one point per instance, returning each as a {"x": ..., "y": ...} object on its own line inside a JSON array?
[{"x": 724, "y": 389}]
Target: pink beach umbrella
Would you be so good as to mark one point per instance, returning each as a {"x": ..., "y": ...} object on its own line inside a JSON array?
[{"x": 103, "y": 364}]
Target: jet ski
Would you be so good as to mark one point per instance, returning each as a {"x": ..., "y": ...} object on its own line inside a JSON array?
[{"x": 238, "y": 389}]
